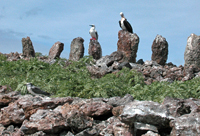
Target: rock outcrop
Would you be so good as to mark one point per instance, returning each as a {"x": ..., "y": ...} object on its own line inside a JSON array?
[
  {"x": 159, "y": 50},
  {"x": 128, "y": 45},
  {"x": 76, "y": 49},
  {"x": 115, "y": 116},
  {"x": 56, "y": 50},
  {"x": 94, "y": 49},
  {"x": 192, "y": 51},
  {"x": 28, "y": 50}
]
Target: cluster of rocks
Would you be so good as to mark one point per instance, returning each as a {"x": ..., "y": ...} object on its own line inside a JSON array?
[{"x": 117, "y": 116}]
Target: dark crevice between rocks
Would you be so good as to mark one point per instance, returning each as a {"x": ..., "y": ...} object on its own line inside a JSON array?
[
  {"x": 164, "y": 131},
  {"x": 103, "y": 117},
  {"x": 184, "y": 109},
  {"x": 141, "y": 132}
]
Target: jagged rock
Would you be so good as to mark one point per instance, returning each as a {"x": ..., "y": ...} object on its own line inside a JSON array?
[
  {"x": 192, "y": 51},
  {"x": 186, "y": 125},
  {"x": 98, "y": 72},
  {"x": 94, "y": 49},
  {"x": 27, "y": 105},
  {"x": 141, "y": 128},
  {"x": 128, "y": 45},
  {"x": 159, "y": 50},
  {"x": 146, "y": 112},
  {"x": 28, "y": 50},
  {"x": 44, "y": 120},
  {"x": 76, "y": 49},
  {"x": 56, "y": 50},
  {"x": 5, "y": 99}
]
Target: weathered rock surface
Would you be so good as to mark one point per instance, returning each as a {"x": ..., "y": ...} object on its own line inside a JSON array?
[
  {"x": 192, "y": 51},
  {"x": 28, "y": 50},
  {"x": 159, "y": 50},
  {"x": 56, "y": 50},
  {"x": 94, "y": 49},
  {"x": 76, "y": 49},
  {"x": 115, "y": 116},
  {"x": 128, "y": 45}
]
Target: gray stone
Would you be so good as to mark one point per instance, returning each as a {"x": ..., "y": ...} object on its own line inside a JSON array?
[
  {"x": 76, "y": 49},
  {"x": 56, "y": 50},
  {"x": 94, "y": 49},
  {"x": 159, "y": 50},
  {"x": 28, "y": 50},
  {"x": 192, "y": 51}
]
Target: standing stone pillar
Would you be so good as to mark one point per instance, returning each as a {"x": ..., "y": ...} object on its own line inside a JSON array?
[
  {"x": 28, "y": 50},
  {"x": 159, "y": 50},
  {"x": 76, "y": 49},
  {"x": 192, "y": 51},
  {"x": 128, "y": 45},
  {"x": 56, "y": 50},
  {"x": 94, "y": 49}
]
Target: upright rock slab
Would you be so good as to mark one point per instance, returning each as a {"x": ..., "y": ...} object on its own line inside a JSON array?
[
  {"x": 76, "y": 49},
  {"x": 28, "y": 50},
  {"x": 159, "y": 50},
  {"x": 56, "y": 50},
  {"x": 94, "y": 49},
  {"x": 128, "y": 45},
  {"x": 192, "y": 51}
]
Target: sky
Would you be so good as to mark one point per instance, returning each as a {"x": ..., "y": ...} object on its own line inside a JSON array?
[{"x": 49, "y": 21}]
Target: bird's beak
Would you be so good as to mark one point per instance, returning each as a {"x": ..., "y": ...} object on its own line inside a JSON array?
[{"x": 90, "y": 25}]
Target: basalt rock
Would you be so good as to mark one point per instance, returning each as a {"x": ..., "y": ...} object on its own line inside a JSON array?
[
  {"x": 116, "y": 116},
  {"x": 94, "y": 49},
  {"x": 128, "y": 45},
  {"x": 56, "y": 50},
  {"x": 192, "y": 51},
  {"x": 159, "y": 50},
  {"x": 76, "y": 49},
  {"x": 28, "y": 50}
]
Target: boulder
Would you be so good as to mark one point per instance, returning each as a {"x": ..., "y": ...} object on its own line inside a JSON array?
[
  {"x": 28, "y": 50},
  {"x": 159, "y": 50},
  {"x": 192, "y": 51},
  {"x": 56, "y": 50},
  {"x": 128, "y": 45},
  {"x": 76, "y": 49},
  {"x": 94, "y": 49}
]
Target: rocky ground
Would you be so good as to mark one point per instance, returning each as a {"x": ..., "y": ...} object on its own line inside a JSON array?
[
  {"x": 116, "y": 116},
  {"x": 43, "y": 116}
]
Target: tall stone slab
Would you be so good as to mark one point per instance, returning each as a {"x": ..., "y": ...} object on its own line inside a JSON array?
[
  {"x": 94, "y": 49},
  {"x": 128, "y": 45},
  {"x": 76, "y": 49},
  {"x": 28, "y": 50},
  {"x": 159, "y": 50},
  {"x": 56, "y": 50},
  {"x": 192, "y": 51}
]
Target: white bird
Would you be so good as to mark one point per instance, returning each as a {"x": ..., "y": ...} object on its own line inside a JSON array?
[
  {"x": 124, "y": 24},
  {"x": 93, "y": 32},
  {"x": 36, "y": 90}
]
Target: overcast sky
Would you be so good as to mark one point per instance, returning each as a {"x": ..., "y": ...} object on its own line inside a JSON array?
[{"x": 49, "y": 21}]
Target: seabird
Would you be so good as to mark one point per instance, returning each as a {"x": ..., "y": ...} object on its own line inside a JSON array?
[
  {"x": 36, "y": 90},
  {"x": 93, "y": 32},
  {"x": 124, "y": 24}
]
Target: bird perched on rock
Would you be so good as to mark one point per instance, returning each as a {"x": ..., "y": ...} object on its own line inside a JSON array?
[
  {"x": 124, "y": 24},
  {"x": 36, "y": 90},
  {"x": 93, "y": 32}
]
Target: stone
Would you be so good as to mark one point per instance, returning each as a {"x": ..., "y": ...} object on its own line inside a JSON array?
[
  {"x": 56, "y": 50},
  {"x": 128, "y": 45},
  {"x": 47, "y": 121},
  {"x": 186, "y": 125},
  {"x": 94, "y": 49},
  {"x": 28, "y": 49},
  {"x": 76, "y": 49},
  {"x": 192, "y": 51},
  {"x": 146, "y": 112},
  {"x": 159, "y": 50},
  {"x": 150, "y": 133}
]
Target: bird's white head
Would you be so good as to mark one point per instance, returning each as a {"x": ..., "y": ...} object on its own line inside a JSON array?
[
  {"x": 92, "y": 25},
  {"x": 28, "y": 84},
  {"x": 121, "y": 14}
]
